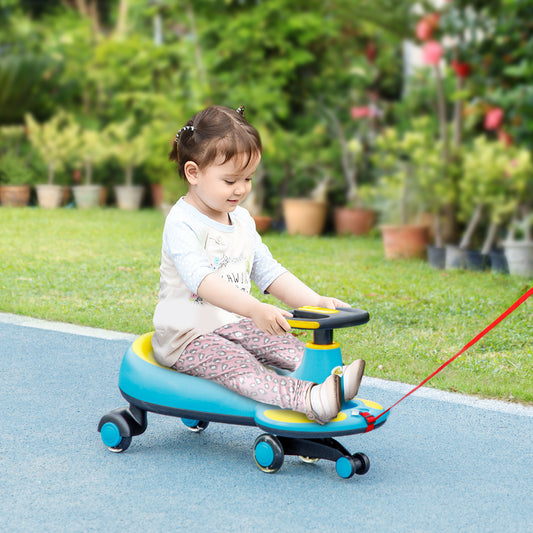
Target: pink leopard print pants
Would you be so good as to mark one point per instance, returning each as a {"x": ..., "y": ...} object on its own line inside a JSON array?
[{"x": 235, "y": 356}]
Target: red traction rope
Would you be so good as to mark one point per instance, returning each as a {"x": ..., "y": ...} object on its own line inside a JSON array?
[{"x": 371, "y": 421}]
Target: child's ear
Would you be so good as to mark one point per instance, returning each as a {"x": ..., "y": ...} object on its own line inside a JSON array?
[{"x": 191, "y": 172}]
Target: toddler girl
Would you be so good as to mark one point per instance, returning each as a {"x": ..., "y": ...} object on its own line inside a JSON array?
[{"x": 207, "y": 324}]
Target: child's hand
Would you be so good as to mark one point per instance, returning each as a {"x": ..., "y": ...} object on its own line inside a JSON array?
[
  {"x": 331, "y": 303},
  {"x": 271, "y": 319}
]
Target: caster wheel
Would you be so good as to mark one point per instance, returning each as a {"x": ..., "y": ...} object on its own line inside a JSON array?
[
  {"x": 364, "y": 463},
  {"x": 111, "y": 437},
  {"x": 268, "y": 453},
  {"x": 195, "y": 425},
  {"x": 346, "y": 466},
  {"x": 309, "y": 460}
]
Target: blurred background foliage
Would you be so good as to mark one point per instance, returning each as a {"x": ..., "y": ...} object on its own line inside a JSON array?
[{"x": 300, "y": 68}]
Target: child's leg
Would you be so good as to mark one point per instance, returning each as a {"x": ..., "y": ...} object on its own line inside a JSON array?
[
  {"x": 281, "y": 352},
  {"x": 218, "y": 359}
]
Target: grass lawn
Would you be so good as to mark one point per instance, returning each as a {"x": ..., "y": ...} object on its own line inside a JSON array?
[{"x": 101, "y": 268}]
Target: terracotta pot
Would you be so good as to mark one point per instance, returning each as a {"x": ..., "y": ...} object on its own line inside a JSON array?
[
  {"x": 354, "y": 221},
  {"x": 262, "y": 223},
  {"x": 15, "y": 195},
  {"x": 50, "y": 196},
  {"x": 102, "y": 201},
  {"x": 129, "y": 197},
  {"x": 405, "y": 241},
  {"x": 304, "y": 217},
  {"x": 87, "y": 196},
  {"x": 156, "y": 189}
]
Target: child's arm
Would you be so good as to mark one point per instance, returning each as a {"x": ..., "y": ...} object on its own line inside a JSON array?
[
  {"x": 266, "y": 317},
  {"x": 295, "y": 293}
]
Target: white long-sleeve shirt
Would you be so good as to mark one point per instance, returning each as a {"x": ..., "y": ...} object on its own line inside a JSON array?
[{"x": 193, "y": 247}]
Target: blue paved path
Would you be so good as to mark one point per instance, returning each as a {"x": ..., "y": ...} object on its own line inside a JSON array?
[{"x": 442, "y": 463}]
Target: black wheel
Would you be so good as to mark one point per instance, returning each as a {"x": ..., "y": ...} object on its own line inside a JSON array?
[
  {"x": 195, "y": 425},
  {"x": 268, "y": 453},
  {"x": 363, "y": 463}
]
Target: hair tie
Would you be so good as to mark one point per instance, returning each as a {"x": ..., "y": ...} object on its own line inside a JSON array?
[
  {"x": 240, "y": 110},
  {"x": 185, "y": 128}
]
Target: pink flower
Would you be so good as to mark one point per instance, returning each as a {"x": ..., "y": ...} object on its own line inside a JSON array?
[
  {"x": 424, "y": 30},
  {"x": 360, "y": 112},
  {"x": 494, "y": 118},
  {"x": 432, "y": 53},
  {"x": 427, "y": 25}
]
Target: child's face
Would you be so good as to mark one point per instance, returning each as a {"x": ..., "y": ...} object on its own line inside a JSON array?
[{"x": 218, "y": 189}]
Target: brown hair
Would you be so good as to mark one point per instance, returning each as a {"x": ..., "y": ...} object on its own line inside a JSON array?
[{"x": 215, "y": 132}]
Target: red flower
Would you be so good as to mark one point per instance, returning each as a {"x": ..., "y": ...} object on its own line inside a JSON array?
[
  {"x": 371, "y": 51},
  {"x": 493, "y": 118},
  {"x": 505, "y": 138},
  {"x": 462, "y": 69},
  {"x": 432, "y": 53}
]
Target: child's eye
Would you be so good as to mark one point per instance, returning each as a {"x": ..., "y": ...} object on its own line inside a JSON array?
[{"x": 229, "y": 182}]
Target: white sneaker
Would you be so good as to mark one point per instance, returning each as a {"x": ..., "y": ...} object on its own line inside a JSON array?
[
  {"x": 351, "y": 378},
  {"x": 324, "y": 401}
]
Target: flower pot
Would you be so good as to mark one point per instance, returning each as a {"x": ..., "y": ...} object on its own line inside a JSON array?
[
  {"x": 129, "y": 197},
  {"x": 436, "y": 256},
  {"x": 50, "y": 196},
  {"x": 402, "y": 242},
  {"x": 354, "y": 221},
  {"x": 15, "y": 195},
  {"x": 455, "y": 257},
  {"x": 262, "y": 223},
  {"x": 157, "y": 192},
  {"x": 498, "y": 262},
  {"x": 519, "y": 255},
  {"x": 87, "y": 196},
  {"x": 304, "y": 216},
  {"x": 475, "y": 260}
]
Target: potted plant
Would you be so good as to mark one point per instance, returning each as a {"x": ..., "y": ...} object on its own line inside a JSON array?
[
  {"x": 16, "y": 175},
  {"x": 130, "y": 150},
  {"x": 398, "y": 196},
  {"x": 518, "y": 245},
  {"x": 56, "y": 141},
  {"x": 254, "y": 202},
  {"x": 94, "y": 149},
  {"x": 434, "y": 185},
  {"x": 297, "y": 168},
  {"x": 354, "y": 217},
  {"x": 494, "y": 179}
]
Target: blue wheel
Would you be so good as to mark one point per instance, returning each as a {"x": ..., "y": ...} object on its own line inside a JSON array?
[
  {"x": 195, "y": 425},
  {"x": 268, "y": 453},
  {"x": 346, "y": 466},
  {"x": 111, "y": 437}
]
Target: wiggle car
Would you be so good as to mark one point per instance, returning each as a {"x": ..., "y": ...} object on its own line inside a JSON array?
[{"x": 149, "y": 387}]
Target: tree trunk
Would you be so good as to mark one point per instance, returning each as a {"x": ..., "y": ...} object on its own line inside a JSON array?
[
  {"x": 490, "y": 238},
  {"x": 472, "y": 225}
]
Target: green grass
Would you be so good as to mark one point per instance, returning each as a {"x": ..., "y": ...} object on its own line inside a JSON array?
[{"x": 101, "y": 268}]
